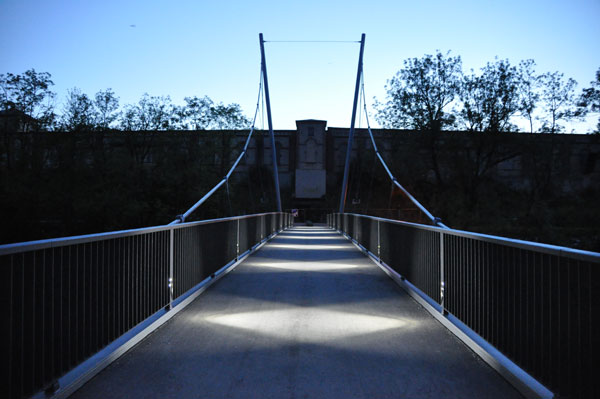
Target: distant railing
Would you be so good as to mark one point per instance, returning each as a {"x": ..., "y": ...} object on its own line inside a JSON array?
[
  {"x": 68, "y": 298},
  {"x": 535, "y": 303}
]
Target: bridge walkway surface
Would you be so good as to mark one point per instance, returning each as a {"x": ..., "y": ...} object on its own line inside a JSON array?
[{"x": 306, "y": 316}]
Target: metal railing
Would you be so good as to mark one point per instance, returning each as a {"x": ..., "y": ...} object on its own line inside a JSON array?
[
  {"x": 68, "y": 298},
  {"x": 535, "y": 303}
]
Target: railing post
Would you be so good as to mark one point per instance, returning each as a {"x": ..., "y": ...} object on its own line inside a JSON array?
[
  {"x": 442, "y": 278},
  {"x": 237, "y": 249},
  {"x": 171, "y": 245}
]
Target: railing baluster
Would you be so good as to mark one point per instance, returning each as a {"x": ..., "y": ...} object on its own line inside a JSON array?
[
  {"x": 442, "y": 277},
  {"x": 527, "y": 299},
  {"x": 170, "y": 281},
  {"x": 71, "y": 298}
]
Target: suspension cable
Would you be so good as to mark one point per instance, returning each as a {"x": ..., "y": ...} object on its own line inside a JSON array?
[
  {"x": 436, "y": 221},
  {"x": 181, "y": 218},
  {"x": 312, "y": 41}
]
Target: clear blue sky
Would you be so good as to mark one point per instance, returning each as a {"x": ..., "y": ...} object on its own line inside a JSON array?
[{"x": 185, "y": 48}]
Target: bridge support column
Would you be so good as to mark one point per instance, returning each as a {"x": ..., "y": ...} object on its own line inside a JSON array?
[
  {"x": 268, "y": 101},
  {"x": 351, "y": 134}
]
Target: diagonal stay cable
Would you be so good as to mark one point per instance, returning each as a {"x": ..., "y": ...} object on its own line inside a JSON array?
[
  {"x": 181, "y": 218},
  {"x": 436, "y": 221}
]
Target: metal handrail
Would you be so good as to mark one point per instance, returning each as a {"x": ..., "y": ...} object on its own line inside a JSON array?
[
  {"x": 513, "y": 242},
  {"x": 102, "y": 287},
  {"x": 527, "y": 308},
  {"x": 7, "y": 249}
]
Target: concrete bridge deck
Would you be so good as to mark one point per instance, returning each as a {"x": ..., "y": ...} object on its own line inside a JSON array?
[{"x": 306, "y": 316}]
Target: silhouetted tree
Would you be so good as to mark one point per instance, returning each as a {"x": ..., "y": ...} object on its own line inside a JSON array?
[
  {"x": 150, "y": 113},
  {"x": 228, "y": 117},
  {"x": 202, "y": 113},
  {"x": 529, "y": 85},
  {"x": 197, "y": 112},
  {"x": 491, "y": 99},
  {"x": 590, "y": 98},
  {"x": 78, "y": 112},
  {"x": 558, "y": 97},
  {"x": 107, "y": 109},
  {"x": 30, "y": 94},
  {"x": 419, "y": 94}
]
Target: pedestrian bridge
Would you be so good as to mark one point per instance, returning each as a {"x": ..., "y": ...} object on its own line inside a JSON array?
[
  {"x": 253, "y": 306},
  {"x": 363, "y": 307},
  {"x": 307, "y": 315}
]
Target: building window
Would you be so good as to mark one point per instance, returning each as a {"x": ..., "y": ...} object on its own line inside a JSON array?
[{"x": 311, "y": 132}]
